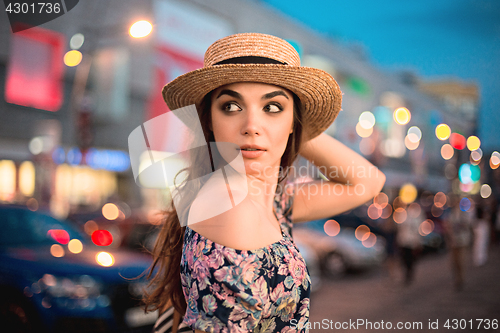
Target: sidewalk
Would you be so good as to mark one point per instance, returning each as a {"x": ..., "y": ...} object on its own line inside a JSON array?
[{"x": 431, "y": 297}]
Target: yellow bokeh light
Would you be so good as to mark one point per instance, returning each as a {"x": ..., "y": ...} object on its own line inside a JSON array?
[
  {"x": 72, "y": 58},
  {"x": 408, "y": 193},
  {"x": 402, "y": 116},
  {"x": 363, "y": 132},
  {"x": 105, "y": 259},
  {"x": 443, "y": 131},
  {"x": 473, "y": 143},
  {"x": 75, "y": 246},
  {"x": 110, "y": 211},
  {"x": 57, "y": 251},
  {"x": 140, "y": 29},
  {"x": 447, "y": 151},
  {"x": 411, "y": 145}
]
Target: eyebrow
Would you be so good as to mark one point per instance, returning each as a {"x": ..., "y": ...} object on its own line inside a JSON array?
[
  {"x": 229, "y": 92},
  {"x": 235, "y": 94},
  {"x": 274, "y": 93}
]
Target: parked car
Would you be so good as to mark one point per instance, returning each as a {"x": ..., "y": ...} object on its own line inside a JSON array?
[
  {"x": 53, "y": 279},
  {"x": 341, "y": 253}
]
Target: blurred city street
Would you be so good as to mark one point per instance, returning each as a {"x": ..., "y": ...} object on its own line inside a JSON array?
[{"x": 373, "y": 298}]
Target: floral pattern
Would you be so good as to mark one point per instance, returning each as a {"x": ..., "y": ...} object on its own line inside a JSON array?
[{"x": 230, "y": 290}]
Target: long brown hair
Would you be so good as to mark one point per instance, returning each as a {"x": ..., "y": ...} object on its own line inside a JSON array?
[{"x": 164, "y": 274}]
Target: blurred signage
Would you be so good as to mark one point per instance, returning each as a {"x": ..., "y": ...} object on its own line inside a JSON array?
[
  {"x": 35, "y": 69},
  {"x": 183, "y": 33},
  {"x": 186, "y": 28}
]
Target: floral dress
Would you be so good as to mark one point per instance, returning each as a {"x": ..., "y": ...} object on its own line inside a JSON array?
[{"x": 262, "y": 290}]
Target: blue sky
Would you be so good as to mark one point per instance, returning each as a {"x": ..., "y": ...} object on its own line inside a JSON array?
[{"x": 434, "y": 38}]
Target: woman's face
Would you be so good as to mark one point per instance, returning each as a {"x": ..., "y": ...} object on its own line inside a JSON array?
[{"x": 256, "y": 117}]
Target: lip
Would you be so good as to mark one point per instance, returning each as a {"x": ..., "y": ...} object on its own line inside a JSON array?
[
  {"x": 251, "y": 147},
  {"x": 252, "y": 154}
]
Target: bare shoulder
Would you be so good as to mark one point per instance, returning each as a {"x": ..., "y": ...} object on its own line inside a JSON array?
[{"x": 242, "y": 226}]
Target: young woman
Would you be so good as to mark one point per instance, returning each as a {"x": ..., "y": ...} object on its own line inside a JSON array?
[{"x": 239, "y": 271}]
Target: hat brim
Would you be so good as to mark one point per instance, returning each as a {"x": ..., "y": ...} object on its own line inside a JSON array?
[{"x": 317, "y": 90}]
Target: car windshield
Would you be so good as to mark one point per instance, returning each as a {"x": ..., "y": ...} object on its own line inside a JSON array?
[{"x": 22, "y": 227}]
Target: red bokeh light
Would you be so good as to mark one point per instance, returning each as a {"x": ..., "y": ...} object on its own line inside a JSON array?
[
  {"x": 59, "y": 235},
  {"x": 102, "y": 238},
  {"x": 458, "y": 141}
]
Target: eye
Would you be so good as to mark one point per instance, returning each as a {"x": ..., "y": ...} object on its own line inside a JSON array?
[
  {"x": 231, "y": 107},
  {"x": 273, "y": 108}
]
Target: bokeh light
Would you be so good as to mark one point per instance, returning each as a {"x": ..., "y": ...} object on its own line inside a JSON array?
[
  {"x": 362, "y": 232},
  {"x": 399, "y": 215},
  {"x": 76, "y": 41},
  {"x": 332, "y": 228},
  {"x": 440, "y": 199},
  {"x": 414, "y": 209},
  {"x": 105, "y": 259},
  {"x": 110, "y": 211},
  {"x": 370, "y": 241},
  {"x": 386, "y": 212},
  {"x": 426, "y": 227},
  {"x": 402, "y": 116},
  {"x": 366, "y": 120},
  {"x": 457, "y": 141},
  {"x": 75, "y": 246},
  {"x": 363, "y": 132},
  {"x": 59, "y": 235},
  {"x": 469, "y": 173},
  {"x": 90, "y": 226},
  {"x": 32, "y": 204},
  {"x": 436, "y": 211},
  {"x": 398, "y": 203},
  {"x": 140, "y": 29},
  {"x": 447, "y": 151},
  {"x": 465, "y": 204},
  {"x": 411, "y": 145},
  {"x": 443, "y": 132},
  {"x": 57, "y": 251},
  {"x": 485, "y": 191},
  {"x": 414, "y": 134},
  {"x": 473, "y": 143},
  {"x": 477, "y": 154},
  {"x": 495, "y": 160},
  {"x": 381, "y": 200},
  {"x": 408, "y": 193},
  {"x": 374, "y": 212},
  {"x": 73, "y": 58},
  {"x": 102, "y": 238}
]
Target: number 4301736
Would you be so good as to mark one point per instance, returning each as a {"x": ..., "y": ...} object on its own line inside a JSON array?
[
  {"x": 487, "y": 324},
  {"x": 33, "y": 8}
]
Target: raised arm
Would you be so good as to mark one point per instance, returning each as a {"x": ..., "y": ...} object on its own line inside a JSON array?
[{"x": 352, "y": 180}]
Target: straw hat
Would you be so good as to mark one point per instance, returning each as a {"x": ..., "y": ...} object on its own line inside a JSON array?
[{"x": 253, "y": 57}]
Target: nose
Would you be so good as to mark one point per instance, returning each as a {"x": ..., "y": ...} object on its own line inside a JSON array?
[{"x": 252, "y": 122}]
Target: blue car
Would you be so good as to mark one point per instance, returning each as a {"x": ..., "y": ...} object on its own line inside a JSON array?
[{"x": 54, "y": 279}]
